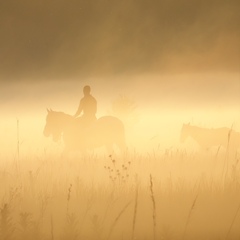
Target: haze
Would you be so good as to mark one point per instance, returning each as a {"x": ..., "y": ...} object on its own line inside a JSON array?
[
  {"x": 59, "y": 40},
  {"x": 170, "y": 71},
  {"x": 162, "y": 104}
]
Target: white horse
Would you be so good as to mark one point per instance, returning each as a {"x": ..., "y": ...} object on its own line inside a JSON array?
[
  {"x": 211, "y": 137},
  {"x": 106, "y": 131}
]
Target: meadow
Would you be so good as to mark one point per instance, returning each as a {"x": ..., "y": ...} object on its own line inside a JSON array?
[
  {"x": 158, "y": 189},
  {"x": 160, "y": 194}
]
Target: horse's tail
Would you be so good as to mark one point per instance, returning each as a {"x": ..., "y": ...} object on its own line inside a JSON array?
[{"x": 116, "y": 130}]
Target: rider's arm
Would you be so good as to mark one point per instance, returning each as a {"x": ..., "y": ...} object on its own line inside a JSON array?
[{"x": 80, "y": 109}]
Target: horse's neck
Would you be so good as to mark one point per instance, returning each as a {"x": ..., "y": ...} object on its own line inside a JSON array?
[{"x": 65, "y": 119}]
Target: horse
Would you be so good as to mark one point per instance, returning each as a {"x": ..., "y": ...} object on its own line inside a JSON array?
[
  {"x": 211, "y": 137},
  {"x": 106, "y": 131}
]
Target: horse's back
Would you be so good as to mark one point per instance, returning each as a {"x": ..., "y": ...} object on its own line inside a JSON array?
[
  {"x": 110, "y": 130},
  {"x": 208, "y": 137}
]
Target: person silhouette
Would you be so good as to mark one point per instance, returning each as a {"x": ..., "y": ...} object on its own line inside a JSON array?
[{"x": 87, "y": 106}]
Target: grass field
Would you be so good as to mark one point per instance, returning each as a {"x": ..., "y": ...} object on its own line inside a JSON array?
[
  {"x": 160, "y": 194},
  {"x": 159, "y": 189}
]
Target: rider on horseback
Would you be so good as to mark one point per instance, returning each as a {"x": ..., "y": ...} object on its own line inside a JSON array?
[{"x": 87, "y": 106}]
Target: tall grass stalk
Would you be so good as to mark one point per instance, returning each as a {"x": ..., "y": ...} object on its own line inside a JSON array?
[
  {"x": 70, "y": 231},
  {"x": 226, "y": 156},
  {"x": 135, "y": 211},
  {"x": 216, "y": 155},
  {"x": 18, "y": 143},
  {"x": 25, "y": 223},
  {"x": 68, "y": 197},
  {"x": 6, "y": 226},
  {"x": 116, "y": 220},
  {"x": 89, "y": 206},
  {"x": 18, "y": 148},
  {"x": 154, "y": 208},
  {"x": 52, "y": 235},
  {"x": 189, "y": 216},
  {"x": 231, "y": 225}
]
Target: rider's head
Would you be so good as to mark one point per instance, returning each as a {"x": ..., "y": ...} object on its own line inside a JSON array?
[{"x": 86, "y": 90}]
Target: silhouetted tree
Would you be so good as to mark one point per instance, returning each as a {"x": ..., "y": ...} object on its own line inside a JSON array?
[{"x": 125, "y": 108}]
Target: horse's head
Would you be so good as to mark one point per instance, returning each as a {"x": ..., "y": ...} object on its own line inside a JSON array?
[
  {"x": 53, "y": 125},
  {"x": 184, "y": 132}
]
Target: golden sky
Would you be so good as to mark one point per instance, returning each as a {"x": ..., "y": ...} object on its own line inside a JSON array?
[{"x": 61, "y": 39}]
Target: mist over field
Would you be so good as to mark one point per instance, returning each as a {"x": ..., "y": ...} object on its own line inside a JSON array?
[
  {"x": 159, "y": 188},
  {"x": 162, "y": 103},
  {"x": 169, "y": 71}
]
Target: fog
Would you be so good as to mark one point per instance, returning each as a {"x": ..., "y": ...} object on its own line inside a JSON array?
[
  {"x": 59, "y": 40},
  {"x": 163, "y": 179},
  {"x": 162, "y": 103},
  {"x": 168, "y": 71}
]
